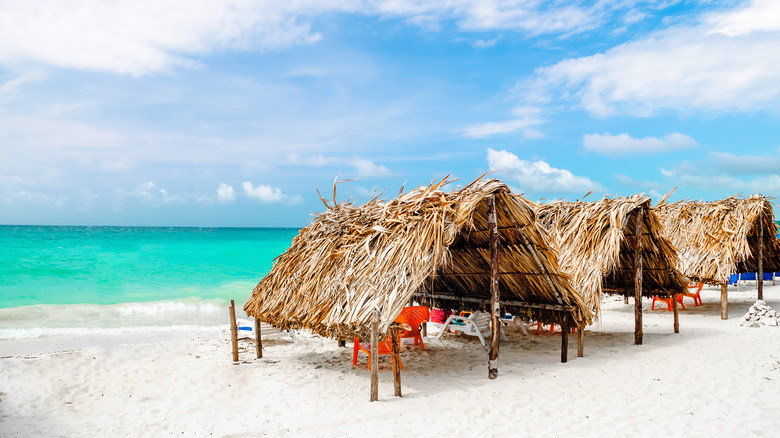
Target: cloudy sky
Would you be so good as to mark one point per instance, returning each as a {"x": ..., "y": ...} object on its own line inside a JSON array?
[{"x": 233, "y": 113}]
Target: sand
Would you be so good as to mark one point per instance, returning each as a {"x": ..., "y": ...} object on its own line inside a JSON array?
[{"x": 714, "y": 378}]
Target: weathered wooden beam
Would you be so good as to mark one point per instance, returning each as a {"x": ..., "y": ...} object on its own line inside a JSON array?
[
  {"x": 374, "y": 362},
  {"x": 640, "y": 218},
  {"x": 760, "y": 274},
  {"x": 396, "y": 361},
  {"x": 724, "y": 301},
  {"x": 676, "y": 313},
  {"x": 581, "y": 341},
  {"x": 645, "y": 291},
  {"x": 449, "y": 297},
  {"x": 565, "y": 338},
  {"x": 233, "y": 330},
  {"x": 495, "y": 306},
  {"x": 258, "y": 339}
]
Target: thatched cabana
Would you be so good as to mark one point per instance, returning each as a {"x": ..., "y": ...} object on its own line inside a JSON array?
[
  {"x": 597, "y": 245},
  {"x": 428, "y": 245},
  {"x": 720, "y": 238}
]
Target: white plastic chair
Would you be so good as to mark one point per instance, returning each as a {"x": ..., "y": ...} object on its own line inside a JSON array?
[
  {"x": 477, "y": 324},
  {"x": 246, "y": 329}
]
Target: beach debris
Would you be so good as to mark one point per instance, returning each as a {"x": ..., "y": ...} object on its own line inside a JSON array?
[{"x": 760, "y": 314}]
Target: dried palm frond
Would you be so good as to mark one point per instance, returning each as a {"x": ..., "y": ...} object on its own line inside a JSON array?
[
  {"x": 351, "y": 260},
  {"x": 595, "y": 243},
  {"x": 720, "y": 238}
]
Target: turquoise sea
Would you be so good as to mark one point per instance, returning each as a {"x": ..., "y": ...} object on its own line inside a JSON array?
[{"x": 71, "y": 281}]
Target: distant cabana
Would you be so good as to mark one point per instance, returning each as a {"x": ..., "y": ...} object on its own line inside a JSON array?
[
  {"x": 597, "y": 245},
  {"x": 716, "y": 239},
  {"x": 428, "y": 245}
]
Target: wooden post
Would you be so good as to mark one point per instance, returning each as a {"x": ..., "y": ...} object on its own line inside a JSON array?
[
  {"x": 760, "y": 274},
  {"x": 581, "y": 341},
  {"x": 676, "y": 314},
  {"x": 724, "y": 301},
  {"x": 640, "y": 218},
  {"x": 342, "y": 343},
  {"x": 565, "y": 337},
  {"x": 425, "y": 329},
  {"x": 396, "y": 361},
  {"x": 258, "y": 339},
  {"x": 375, "y": 356},
  {"x": 233, "y": 330},
  {"x": 494, "y": 293},
  {"x": 625, "y": 299}
]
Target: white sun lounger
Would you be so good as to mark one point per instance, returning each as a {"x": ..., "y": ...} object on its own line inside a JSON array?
[{"x": 477, "y": 324}]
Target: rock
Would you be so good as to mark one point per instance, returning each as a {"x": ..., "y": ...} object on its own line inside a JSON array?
[
  {"x": 753, "y": 324},
  {"x": 769, "y": 321},
  {"x": 760, "y": 303}
]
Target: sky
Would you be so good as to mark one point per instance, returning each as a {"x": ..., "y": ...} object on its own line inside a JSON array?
[{"x": 236, "y": 113}]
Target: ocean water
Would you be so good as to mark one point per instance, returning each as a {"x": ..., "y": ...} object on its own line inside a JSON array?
[{"x": 65, "y": 281}]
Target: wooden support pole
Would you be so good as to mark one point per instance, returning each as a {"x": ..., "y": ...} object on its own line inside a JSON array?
[
  {"x": 396, "y": 361},
  {"x": 374, "y": 363},
  {"x": 724, "y": 301},
  {"x": 233, "y": 330},
  {"x": 258, "y": 339},
  {"x": 676, "y": 313},
  {"x": 342, "y": 343},
  {"x": 640, "y": 219},
  {"x": 581, "y": 341},
  {"x": 565, "y": 337},
  {"x": 625, "y": 299},
  {"x": 495, "y": 305},
  {"x": 760, "y": 274},
  {"x": 425, "y": 329}
]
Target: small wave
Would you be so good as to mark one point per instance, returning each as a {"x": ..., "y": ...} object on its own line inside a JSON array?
[
  {"x": 39, "y": 332},
  {"x": 169, "y": 307}
]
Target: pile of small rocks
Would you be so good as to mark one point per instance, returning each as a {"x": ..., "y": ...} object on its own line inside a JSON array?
[{"x": 758, "y": 314}]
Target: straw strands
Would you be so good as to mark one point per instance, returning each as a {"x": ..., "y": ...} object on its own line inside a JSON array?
[
  {"x": 425, "y": 244},
  {"x": 720, "y": 238},
  {"x": 595, "y": 243}
]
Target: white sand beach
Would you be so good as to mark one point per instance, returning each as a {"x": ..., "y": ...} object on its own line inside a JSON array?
[{"x": 714, "y": 378}]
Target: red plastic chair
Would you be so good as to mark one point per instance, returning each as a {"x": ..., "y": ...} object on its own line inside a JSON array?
[
  {"x": 384, "y": 347},
  {"x": 668, "y": 301},
  {"x": 414, "y": 316},
  {"x": 695, "y": 295}
]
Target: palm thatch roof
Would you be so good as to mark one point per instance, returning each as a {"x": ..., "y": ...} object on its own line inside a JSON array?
[
  {"x": 595, "y": 243},
  {"x": 720, "y": 238},
  {"x": 427, "y": 244}
]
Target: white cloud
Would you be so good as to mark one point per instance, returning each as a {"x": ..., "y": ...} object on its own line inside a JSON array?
[
  {"x": 624, "y": 144},
  {"x": 530, "y": 16},
  {"x": 142, "y": 36},
  {"x": 139, "y": 37},
  {"x": 729, "y": 173},
  {"x": 362, "y": 167},
  {"x": 483, "y": 44},
  {"x": 493, "y": 128},
  {"x": 225, "y": 193},
  {"x": 538, "y": 176},
  {"x": 725, "y": 62},
  {"x": 745, "y": 164},
  {"x": 269, "y": 195}
]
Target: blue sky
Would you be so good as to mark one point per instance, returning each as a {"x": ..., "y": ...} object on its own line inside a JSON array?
[{"x": 232, "y": 113}]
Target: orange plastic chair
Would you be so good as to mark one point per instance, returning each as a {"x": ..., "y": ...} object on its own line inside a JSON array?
[
  {"x": 384, "y": 347},
  {"x": 573, "y": 329},
  {"x": 414, "y": 316},
  {"x": 695, "y": 295},
  {"x": 668, "y": 301}
]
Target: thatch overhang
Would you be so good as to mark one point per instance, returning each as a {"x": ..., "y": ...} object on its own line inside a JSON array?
[
  {"x": 595, "y": 243},
  {"x": 720, "y": 238},
  {"x": 427, "y": 245}
]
